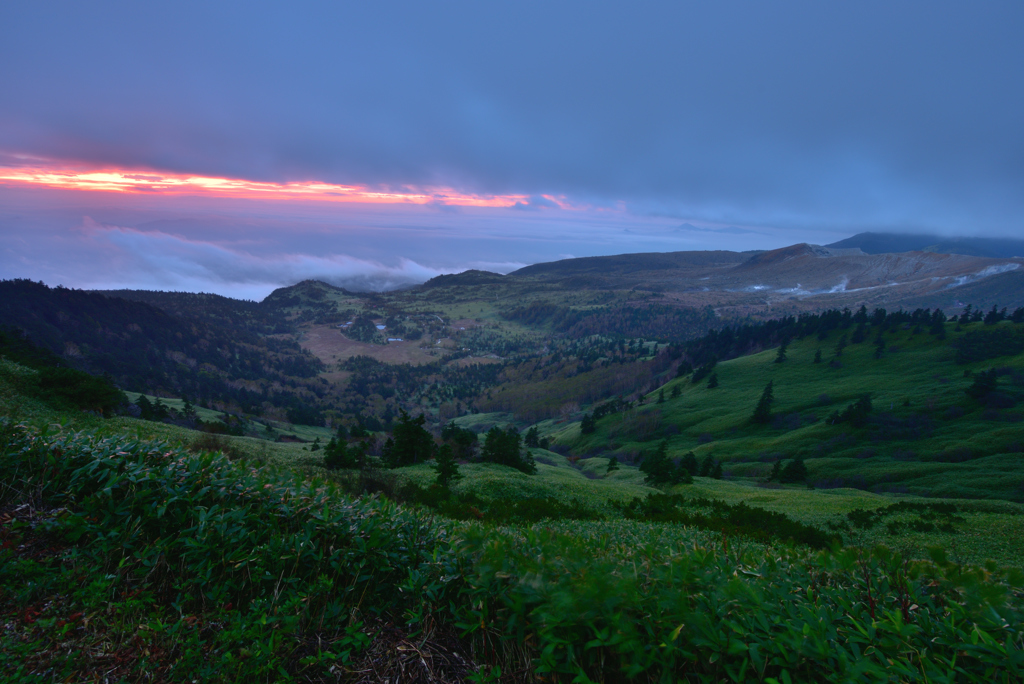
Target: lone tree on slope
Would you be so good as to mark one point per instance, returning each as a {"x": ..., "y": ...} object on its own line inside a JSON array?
[
  {"x": 763, "y": 411},
  {"x": 780, "y": 357}
]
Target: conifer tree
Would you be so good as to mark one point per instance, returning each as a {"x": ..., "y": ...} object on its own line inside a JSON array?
[
  {"x": 763, "y": 410},
  {"x": 706, "y": 466},
  {"x": 938, "y": 325},
  {"x": 817, "y": 356},
  {"x": 840, "y": 345},
  {"x": 658, "y": 467},
  {"x": 410, "y": 442},
  {"x": 713, "y": 381},
  {"x": 780, "y": 357},
  {"x": 613, "y": 465},
  {"x": 145, "y": 407},
  {"x": 689, "y": 463},
  {"x": 446, "y": 467},
  {"x": 337, "y": 454},
  {"x": 716, "y": 471},
  {"x": 795, "y": 471},
  {"x": 505, "y": 448},
  {"x": 676, "y": 392}
]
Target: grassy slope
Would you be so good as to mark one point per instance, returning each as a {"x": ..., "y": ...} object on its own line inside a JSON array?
[
  {"x": 989, "y": 531},
  {"x": 164, "y": 567},
  {"x": 917, "y": 377},
  {"x": 304, "y": 432}
]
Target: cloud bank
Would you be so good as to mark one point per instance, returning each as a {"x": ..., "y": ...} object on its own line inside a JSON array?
[
  {"x": 157, "y": 260},
  {"x": 839, "y": 116}
]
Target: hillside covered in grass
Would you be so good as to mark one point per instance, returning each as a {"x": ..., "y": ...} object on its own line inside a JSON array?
[
  {"x": 146, "y": 562},
  {"x": 151, "y": 551},
  {"x": 907, "y": 407}
]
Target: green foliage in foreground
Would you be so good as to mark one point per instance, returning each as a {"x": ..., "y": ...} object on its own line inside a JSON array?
[{"x": 181, "y": 568}]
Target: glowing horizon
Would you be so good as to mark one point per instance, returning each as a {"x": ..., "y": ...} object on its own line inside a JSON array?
[{"x": 149, "y": 182}]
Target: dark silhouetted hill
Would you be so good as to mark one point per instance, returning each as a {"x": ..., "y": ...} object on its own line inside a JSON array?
[{"x": 889, "y": 243}]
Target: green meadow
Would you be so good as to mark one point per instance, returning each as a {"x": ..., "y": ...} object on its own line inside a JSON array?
[
  {"x": 926, "y": 436},
  {"x": 158, "y": 553}
]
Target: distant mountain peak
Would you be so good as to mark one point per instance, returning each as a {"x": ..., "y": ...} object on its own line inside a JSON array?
[
  {"x": 470, "y": 277},
  {"x": 894, "y": 243},
  {"x": 775, "y": 256}
]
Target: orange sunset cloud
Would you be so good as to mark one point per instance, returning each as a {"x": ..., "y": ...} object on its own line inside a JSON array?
[{"x": 134, "y": 182}]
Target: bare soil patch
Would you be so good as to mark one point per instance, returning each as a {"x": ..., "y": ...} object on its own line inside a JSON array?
[
  {"x": 328, "y": 344},
  {"x": 473, "y": 360}
]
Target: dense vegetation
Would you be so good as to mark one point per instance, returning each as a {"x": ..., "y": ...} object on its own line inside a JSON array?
[
  {"x": 56, "y": 383},
  {"x": 899, "y": 401},
  {"x": 149, "y": 562},
  {"x": 633, "y": 492},
  {"x": 143, "y": 348}
]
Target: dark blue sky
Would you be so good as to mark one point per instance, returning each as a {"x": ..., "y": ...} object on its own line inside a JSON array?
[{"x": 793, "y": 120}]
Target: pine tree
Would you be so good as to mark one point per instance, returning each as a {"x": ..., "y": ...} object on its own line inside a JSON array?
[
  {"x": 680, "y": 475},
  {"x": 716, "y": 471},
  {"x": 685, "y": 368},
  {"x": 776, "y": 470},
  {"x": 410, "y": 442},
  {"x": 613, "y": 465},
  {"x": 689, "y": 463},
  {"x": 675, "y": 392},
  {"x": 706, "y": 466},
  {"x": 658, "y": 467},
  {"x": 337, "y": 454},
  {"x": 781, "y": 355},
  {"x": 817, "y": 356},
  {"x": 763, "y": 410},
  {"x": 504, "y": 447},
  {"x": 588, "y": 425},
  {"x": 160, "y": 411},
  {"x": 840, "y": 345},
  {"x": 938, "y": 326},
  {"x": 145, "y": 407},
  {"x": 661, "y": 396},
  {"x": 713, "y": 381},
  {"x": 795, "y": 471},
  {"x": 994, "y": 316},
  {"x": 445, "y": 466},
  {"x": 984, "y": 384}
]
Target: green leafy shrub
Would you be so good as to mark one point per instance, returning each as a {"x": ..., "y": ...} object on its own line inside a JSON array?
[{"x": 215, "y": 571}]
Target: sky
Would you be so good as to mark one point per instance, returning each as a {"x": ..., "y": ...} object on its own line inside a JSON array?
[{"x": 236, "y": 147}]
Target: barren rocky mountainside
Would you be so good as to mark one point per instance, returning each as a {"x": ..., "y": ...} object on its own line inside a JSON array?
[{"x": 807, "y": 277}]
